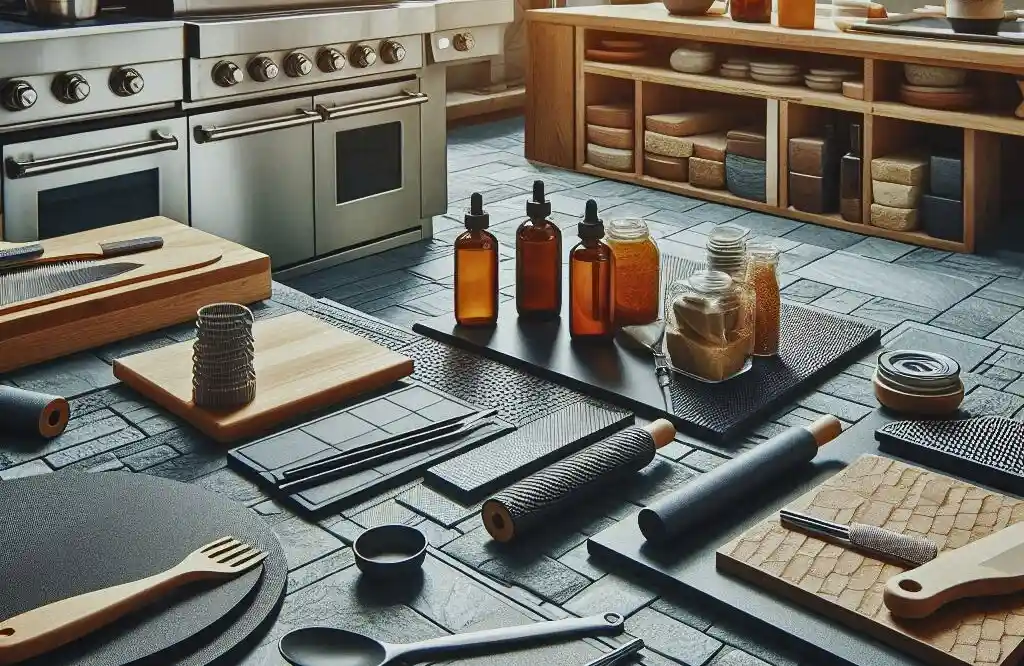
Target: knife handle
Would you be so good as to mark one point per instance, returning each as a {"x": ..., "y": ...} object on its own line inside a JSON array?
[
  {"x": 131, "y": 246},
  {"x": 20, "y": 253}
]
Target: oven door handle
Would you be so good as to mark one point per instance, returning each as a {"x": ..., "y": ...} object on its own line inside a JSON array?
[
  {"x": 27, "y": 168},
  {"x": 406, "y": 98},
  {"x": 297, "y": 119}
]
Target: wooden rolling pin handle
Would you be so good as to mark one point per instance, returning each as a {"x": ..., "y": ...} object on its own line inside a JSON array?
[
  {"x": 825, "y": 429},
  {"x": 662, "y": 432},
  {"x": 919, "y": 593}
]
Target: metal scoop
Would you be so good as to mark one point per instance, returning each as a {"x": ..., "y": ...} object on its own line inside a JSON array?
[
  {"x": 324, "y": 646},
  {"x": 652, "y": 336}
]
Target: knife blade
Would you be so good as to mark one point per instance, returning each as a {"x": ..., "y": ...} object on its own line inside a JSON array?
[{"x": 27, "y": 283}]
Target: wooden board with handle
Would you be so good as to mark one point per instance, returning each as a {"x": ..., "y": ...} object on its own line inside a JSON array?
[
  {"x": 849, "y": 586},
  {"x": 302, "y": 364},
  {"x": 192, "y": 269}
]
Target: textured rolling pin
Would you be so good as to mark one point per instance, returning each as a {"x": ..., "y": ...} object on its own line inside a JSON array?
[
  {"x": 32, "y": 414},
  {"x": 720, "y": 489},
  {"x": 525, "y": 505}
]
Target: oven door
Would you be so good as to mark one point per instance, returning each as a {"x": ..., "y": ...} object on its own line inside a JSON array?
[
  {"x": 367, "y": 165},
  {"x": 251, "y": 175},
  {"x": 66, "y": 184}
]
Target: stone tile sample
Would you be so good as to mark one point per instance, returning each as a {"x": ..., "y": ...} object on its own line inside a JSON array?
[
  {"x": 805, "y": 291},
  {"x": 976, "y": 316},
  {"x": 672, "y": 638},
  {"x": 1012, "y": 332},
  {"x": 843, "y": 409},
  {"x": 317, "y": 570},
  {"x": 894, "y": 312},
  {"x": 1004, "y": 290},
  {"x": 578, "y": 559},
  {"x": 762, "y": 224},
  {"x": 801, "y": 255},
  {"x": 703, "y": 461},
  {"x": 689, "y": 609},
  {"x": 880, "y": 248},
  {"x": 834, "y": 239},
  {"x": 68, "y": 376},
  {"x": 611, "y": 593},
  {"x": 848, "y": 387},
  {"x": 304, "y": 542},
  {"x": 545, "y": 577},
  {"x": 984, "y": 401},
  {"x": 842, "y": 301}
]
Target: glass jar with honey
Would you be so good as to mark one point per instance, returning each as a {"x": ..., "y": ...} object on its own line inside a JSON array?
[
  {"x": 762, "y": 277},
  {"x": 751, "y": 11},
  {"x": 637, "y": 271}
]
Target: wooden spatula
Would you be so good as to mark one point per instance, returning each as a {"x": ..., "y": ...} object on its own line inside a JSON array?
[
  {"x": 987, "y": 567},
  {"x": 48, "y": 627},
  {"x": 32, "y": 254}
]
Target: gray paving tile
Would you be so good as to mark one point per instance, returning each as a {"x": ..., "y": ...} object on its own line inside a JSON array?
[
  {"x": 1011, "y": 361},
  {"x": 835, "y": 239},
  {"x": 969, "y": 352},
  {"x": 781, "y": 244},
  {"x": 543, "y": 576},
  {"x": 611, "y": 593},
  {"x": 999, "y": 378},
  {"x": 609, "y": 188},
  {"x": 1016, "y": 388},
  {"x": 398, "y": 315},
  {"x": 1004, "y": 290},
  {"x": 666, "y": 200},
  {"x": 734, "y": 657},
  {"x": 1012, "y": 332},
  {"x": 672, "y": 638},
  {"x": 69, "y": 376},
  {"x": 823, "y": 403},
  {"x": 677, "y": 219},
  {"x": 881, "y": 249},
  {"x": 806, "y": 291},
  {"x": 630, "y": 209},
  {"x": 895, "y": 312},
  {"x": 975, "y": 316},
  {"x": 31, "y": 468},
  {"x": 800, "y": 256},
  {"x": 984, "y": 401},
  {"x": 578, "y": 559},
  {"x": 842, "y": 300},
  {"x": 901, "y": 283},
  {"x": 712, "y": 213},
  {"x": 976, "y": 263},
  {"x": 849, "y": 387},
  {"x": 923, "y": 255},
  {"x": 690, "y": 237},
  {"x": 768, "y": 225}
]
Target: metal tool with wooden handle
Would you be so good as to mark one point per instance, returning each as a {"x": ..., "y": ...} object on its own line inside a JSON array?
[
  {"x": 48, "y": 627},
  {"x": 33, "y": 254},
  {"x": 987, "y": 567}
]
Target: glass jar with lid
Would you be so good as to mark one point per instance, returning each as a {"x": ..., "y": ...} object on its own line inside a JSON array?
[
  {"x": 709, "y": 330},
  {"x": 637, "y": 271},
  {"x": 762, "y": 277}
]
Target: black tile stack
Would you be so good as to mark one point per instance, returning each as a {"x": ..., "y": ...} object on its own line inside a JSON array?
[{"x": 942, "y": 208}]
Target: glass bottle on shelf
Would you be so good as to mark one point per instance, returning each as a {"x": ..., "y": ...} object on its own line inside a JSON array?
[
  {"x": 538, "y": 260},
  {"x": 751, "y": 11},
  {"x": 476, "y": 269},
  {"x": 762, "y": 277},
  {"x": 637, "y": 272},
  {"x": 591, "y": 271},
  {"x": 850, "y": 184}
]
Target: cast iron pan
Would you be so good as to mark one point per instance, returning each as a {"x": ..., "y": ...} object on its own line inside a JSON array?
[{"x": 64, "y": 534}]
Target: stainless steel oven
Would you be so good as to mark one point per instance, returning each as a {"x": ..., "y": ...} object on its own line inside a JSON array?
[
  {"x": 64, "y": 184},
  {"x": 367, "y": 165}
]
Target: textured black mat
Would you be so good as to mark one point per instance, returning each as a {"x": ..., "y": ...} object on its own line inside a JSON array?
[
  {"x": 814, "y": 344},
  {"x": 473, "y": 475},
  {"x": 988, "y": 450},
  {"x": 370, "y": 420},
  {"x": 67, "y": 534}
]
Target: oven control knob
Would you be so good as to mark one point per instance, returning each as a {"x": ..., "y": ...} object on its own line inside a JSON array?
[
  {"x": 125, "y": 82},
  {"x": 392, "y": 52},
  {"x": 71, "y": 88},
  {"x": 464, "y": 41},
  {"x": 296, "y": 65},
  {"x": 330, "y": 60},
  {"x": 262, "y": 69},
  {"x": 18, "y": 95},
  {"x": 227, "y": 74},
  {"x": 363, "y": 56}
]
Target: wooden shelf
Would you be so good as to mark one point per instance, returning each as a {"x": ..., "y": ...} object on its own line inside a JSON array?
[
  {"x": 987, "y": 122},
  {"x": 464, "y": 104}
]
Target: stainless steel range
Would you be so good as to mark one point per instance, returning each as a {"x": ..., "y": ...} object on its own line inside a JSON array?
[{"x": 315, "y": 135}]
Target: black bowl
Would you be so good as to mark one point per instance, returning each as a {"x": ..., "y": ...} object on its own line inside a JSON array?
[
  {"x": 390, "y": 550},
  {"x": 971, "y": 26}
]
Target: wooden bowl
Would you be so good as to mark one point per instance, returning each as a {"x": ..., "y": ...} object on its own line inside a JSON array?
[
  {"x": 620, "y": 57},
  {"x": 623, "y": 45},
  {"x": 688, "y": 7},
  {"x": 946, "y": 99},
  {"x": 918, "y": 405}
]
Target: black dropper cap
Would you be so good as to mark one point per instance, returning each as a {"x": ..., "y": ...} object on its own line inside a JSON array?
[
  {"x": 538, "y": 207},
  {"x": 592, "y": 227},
  {"x": 476, "y": 217}
]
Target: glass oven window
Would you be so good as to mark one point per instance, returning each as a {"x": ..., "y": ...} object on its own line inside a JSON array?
[
  {"x": 369, "y": 161},
  {"x": 99, "y": 203}
]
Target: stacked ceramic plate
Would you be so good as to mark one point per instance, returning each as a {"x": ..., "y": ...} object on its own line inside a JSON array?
[
  {"x": 735, "y": 68},
  {"x": 727, "y": 249},
  {"x": 829, "y": 80},
  {"x": 781, "y": 73},
  {"x": 223, "y": 355}
]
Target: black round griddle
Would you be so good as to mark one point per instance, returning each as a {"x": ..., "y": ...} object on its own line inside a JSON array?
[{"x": 65, "y": 534}]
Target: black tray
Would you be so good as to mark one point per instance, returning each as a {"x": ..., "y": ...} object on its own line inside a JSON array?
[{"x": 933, "y": 27}]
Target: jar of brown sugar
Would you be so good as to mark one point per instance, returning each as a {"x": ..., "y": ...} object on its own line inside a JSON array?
[
  {"x": 762, "y": 277},
  {"x": 637, "y": 271}
]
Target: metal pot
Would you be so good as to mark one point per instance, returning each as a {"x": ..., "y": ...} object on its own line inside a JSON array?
[{"x": 62, "y": 10}]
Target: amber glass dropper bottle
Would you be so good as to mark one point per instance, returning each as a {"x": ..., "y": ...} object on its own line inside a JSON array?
[
  {"x": 476, "y": 269},
  {"x": 538, "y": 260},
  {"x": 591, "y": 272}
]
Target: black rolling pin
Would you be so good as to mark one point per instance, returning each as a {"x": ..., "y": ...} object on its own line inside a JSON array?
[
  {"x": 721, "y": 488},
  {"x": 526, "y": 504},
  {"x": 33, "y": 414}
]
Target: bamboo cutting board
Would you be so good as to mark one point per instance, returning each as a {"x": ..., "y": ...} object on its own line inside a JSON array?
[
  {"x": 847, "y": 586},
  {"x": 302, "y": 364}
]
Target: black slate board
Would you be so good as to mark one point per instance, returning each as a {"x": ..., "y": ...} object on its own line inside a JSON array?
[
  {"x": 814, "y": 344},
  {"x": 932, "y": 27},
  {"x": 689, "y": 562},
  {"x": 67, "y": 534},
  {"x": 373, "y": 418},
  {"x": 473, "y": 475}
]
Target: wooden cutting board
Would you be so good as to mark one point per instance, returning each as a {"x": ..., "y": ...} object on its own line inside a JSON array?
[
  {"x": 847, "y": 586},
  {"x": 302, "y": 364},
  {"x": 192, "y": 269}
]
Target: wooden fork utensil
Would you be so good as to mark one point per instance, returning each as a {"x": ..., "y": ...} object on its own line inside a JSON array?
[{"x": 48, "y": 627}]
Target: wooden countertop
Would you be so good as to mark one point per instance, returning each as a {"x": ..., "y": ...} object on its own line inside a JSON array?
[{"x": 654, "y": 19}]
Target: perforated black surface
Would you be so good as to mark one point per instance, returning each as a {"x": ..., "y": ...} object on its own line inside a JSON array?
[
  {"x": 987, "y": 450},
  {"x": 361, "y": 325},
  {"x": 70, "y": 533}
]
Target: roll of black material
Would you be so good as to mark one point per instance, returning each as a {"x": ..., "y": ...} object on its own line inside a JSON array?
[
  {"x": 32, "y": 414},
  {"x": 524, "y": 505},
  {"x": 718, "y": 490}
]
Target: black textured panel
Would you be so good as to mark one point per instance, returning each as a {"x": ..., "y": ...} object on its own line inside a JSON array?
[
  {"x": 530, "y": 502},
  {"x": 519, "y": 397},
  {"x": 360, "y": 324},
  {"x": 84, "y": 532},
  {"x": 435, "y": 506},
  {"x": 987, "y": 450},
  {"x": 473, "y": 475}
]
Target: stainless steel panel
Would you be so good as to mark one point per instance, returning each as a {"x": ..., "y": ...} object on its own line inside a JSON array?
[
  {"x": 434, "y": 145},
  {"x": 21, "y": 195},
  {"x": 488, "y": 40},
  {"x": 162, "y": 85},
  {"x": 452, "y": 14},
  {"x": 340, "y": 226},
  {"x": 203, "y": 87},
  {"x": 256, "y": 189},
  {"x": 337, "y": 258}
]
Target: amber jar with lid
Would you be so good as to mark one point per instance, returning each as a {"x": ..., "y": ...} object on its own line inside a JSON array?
[
  {"x": 476, "y": 269},
  {"x": 538, "y": 260},
  {"x": 751, "y": 11},
  {"x": 797, "y": 14},
  {"x": 591, "y": 281},
  {"x": 637, "y": 271},
  {"x": 762, "y": 277}
]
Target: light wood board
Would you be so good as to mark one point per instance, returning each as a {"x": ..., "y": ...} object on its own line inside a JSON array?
[
  {"x": 302, "y": 364},
  {"x": 191, "y": 270},
  {"x": 847, "y": 586}
]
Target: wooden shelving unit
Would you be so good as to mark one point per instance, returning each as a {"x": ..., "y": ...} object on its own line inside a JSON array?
[
  {"x": 557, "y": 97},
  {"x": 462, "y": 104}
]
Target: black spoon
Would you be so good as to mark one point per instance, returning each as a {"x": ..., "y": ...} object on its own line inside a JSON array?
[{"x": 324, "y": 646}]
